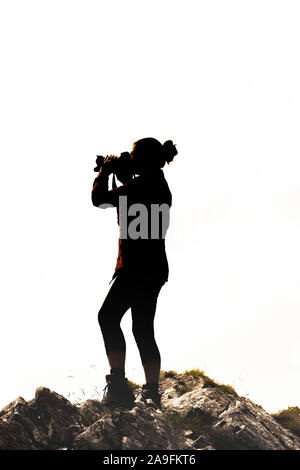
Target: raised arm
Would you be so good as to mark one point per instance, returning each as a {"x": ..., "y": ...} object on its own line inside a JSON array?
[
  {"x": 102, "y": 197},
  {"x": 100, "y": 192}
]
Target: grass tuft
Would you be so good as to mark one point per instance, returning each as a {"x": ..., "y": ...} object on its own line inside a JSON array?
[
  {"x": 133, "y": 385},
  {"x": 210, "y": 382},
  {"x": 289, "y": 419},
  {"x": 168, "y": 374}
]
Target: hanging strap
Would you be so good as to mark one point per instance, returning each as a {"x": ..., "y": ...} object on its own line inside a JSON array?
[{"x": 114, "y": 184}]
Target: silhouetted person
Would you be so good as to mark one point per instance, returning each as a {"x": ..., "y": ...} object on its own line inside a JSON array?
[{"x": 142, "y": 204}]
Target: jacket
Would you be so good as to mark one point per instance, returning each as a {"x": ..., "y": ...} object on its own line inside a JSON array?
[{"x": 143, "y": 205}]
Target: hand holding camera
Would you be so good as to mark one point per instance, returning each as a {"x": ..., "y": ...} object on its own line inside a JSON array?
[
  {"x": 109, "y": 164},
  {"x": 106, "y": 163},
  {"x": 121, "y": 166}
]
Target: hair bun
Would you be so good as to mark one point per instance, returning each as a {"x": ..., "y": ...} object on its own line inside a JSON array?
[{"x": 169, "y": 150}]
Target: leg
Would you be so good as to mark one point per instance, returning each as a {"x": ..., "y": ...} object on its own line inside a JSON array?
[
  {"x": 117, "y": 391},
  {"x": 110, "y": 315},
  {"x": 143, "y": 311},
  {"x": 152, "y": 371},
  {"x": 116, "y": 359}
]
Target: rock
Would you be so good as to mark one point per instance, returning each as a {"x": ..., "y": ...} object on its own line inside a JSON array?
[
  {"x": 228, "y": 420},
  {"x": 48, "y": 421},
  {"x": 90, "y": 411},
  {"x": 197, "y": 414},
  {"x": 202, "y": 443},
  {"x": 16, "y": 427},
  {"x": 138, "y": 428}
]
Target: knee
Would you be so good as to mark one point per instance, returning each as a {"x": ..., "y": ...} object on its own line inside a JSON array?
[
  {"x": 108, "y": 323},
  {"x": 103, "y": 320}
]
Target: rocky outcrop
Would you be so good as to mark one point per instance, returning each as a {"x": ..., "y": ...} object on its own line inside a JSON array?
[
  {"x": 139, "y": 428},
  {"x": 226, "y": 419},
  {"x": 196, "y": 414},
  {"x": 49, "y": 421}
]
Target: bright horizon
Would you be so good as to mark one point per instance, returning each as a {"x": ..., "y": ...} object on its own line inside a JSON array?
[{"x": 220, "y": 79}]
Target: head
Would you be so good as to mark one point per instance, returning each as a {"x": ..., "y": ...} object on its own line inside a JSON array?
[{"x": 149, "y": 154}]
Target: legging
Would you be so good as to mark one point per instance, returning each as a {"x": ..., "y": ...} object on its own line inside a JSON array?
[{"x": 141, "y": 296}]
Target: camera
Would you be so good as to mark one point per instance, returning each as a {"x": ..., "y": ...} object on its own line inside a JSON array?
[{"x": 121, "y": 166}]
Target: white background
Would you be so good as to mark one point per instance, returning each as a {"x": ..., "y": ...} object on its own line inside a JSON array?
[{"x": 220, "y": 78}]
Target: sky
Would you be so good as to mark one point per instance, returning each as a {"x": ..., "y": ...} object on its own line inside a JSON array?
[{"x": 219, "y": 78}]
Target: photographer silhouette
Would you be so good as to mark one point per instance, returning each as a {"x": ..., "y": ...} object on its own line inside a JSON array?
[{"x": 142, "y": 267}]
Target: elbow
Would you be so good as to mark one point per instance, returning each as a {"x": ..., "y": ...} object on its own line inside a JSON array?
[
  {"x": 97, "y": 202},
  {"x": 100, "y": 202},
  {"x": 97, "y": 197},
  {"x": 94, "y": 200}
]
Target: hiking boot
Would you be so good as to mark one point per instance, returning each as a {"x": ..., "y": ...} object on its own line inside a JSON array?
[
  {"x": 151, "y": 395},
  {"x": 117, "y": 392}
]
